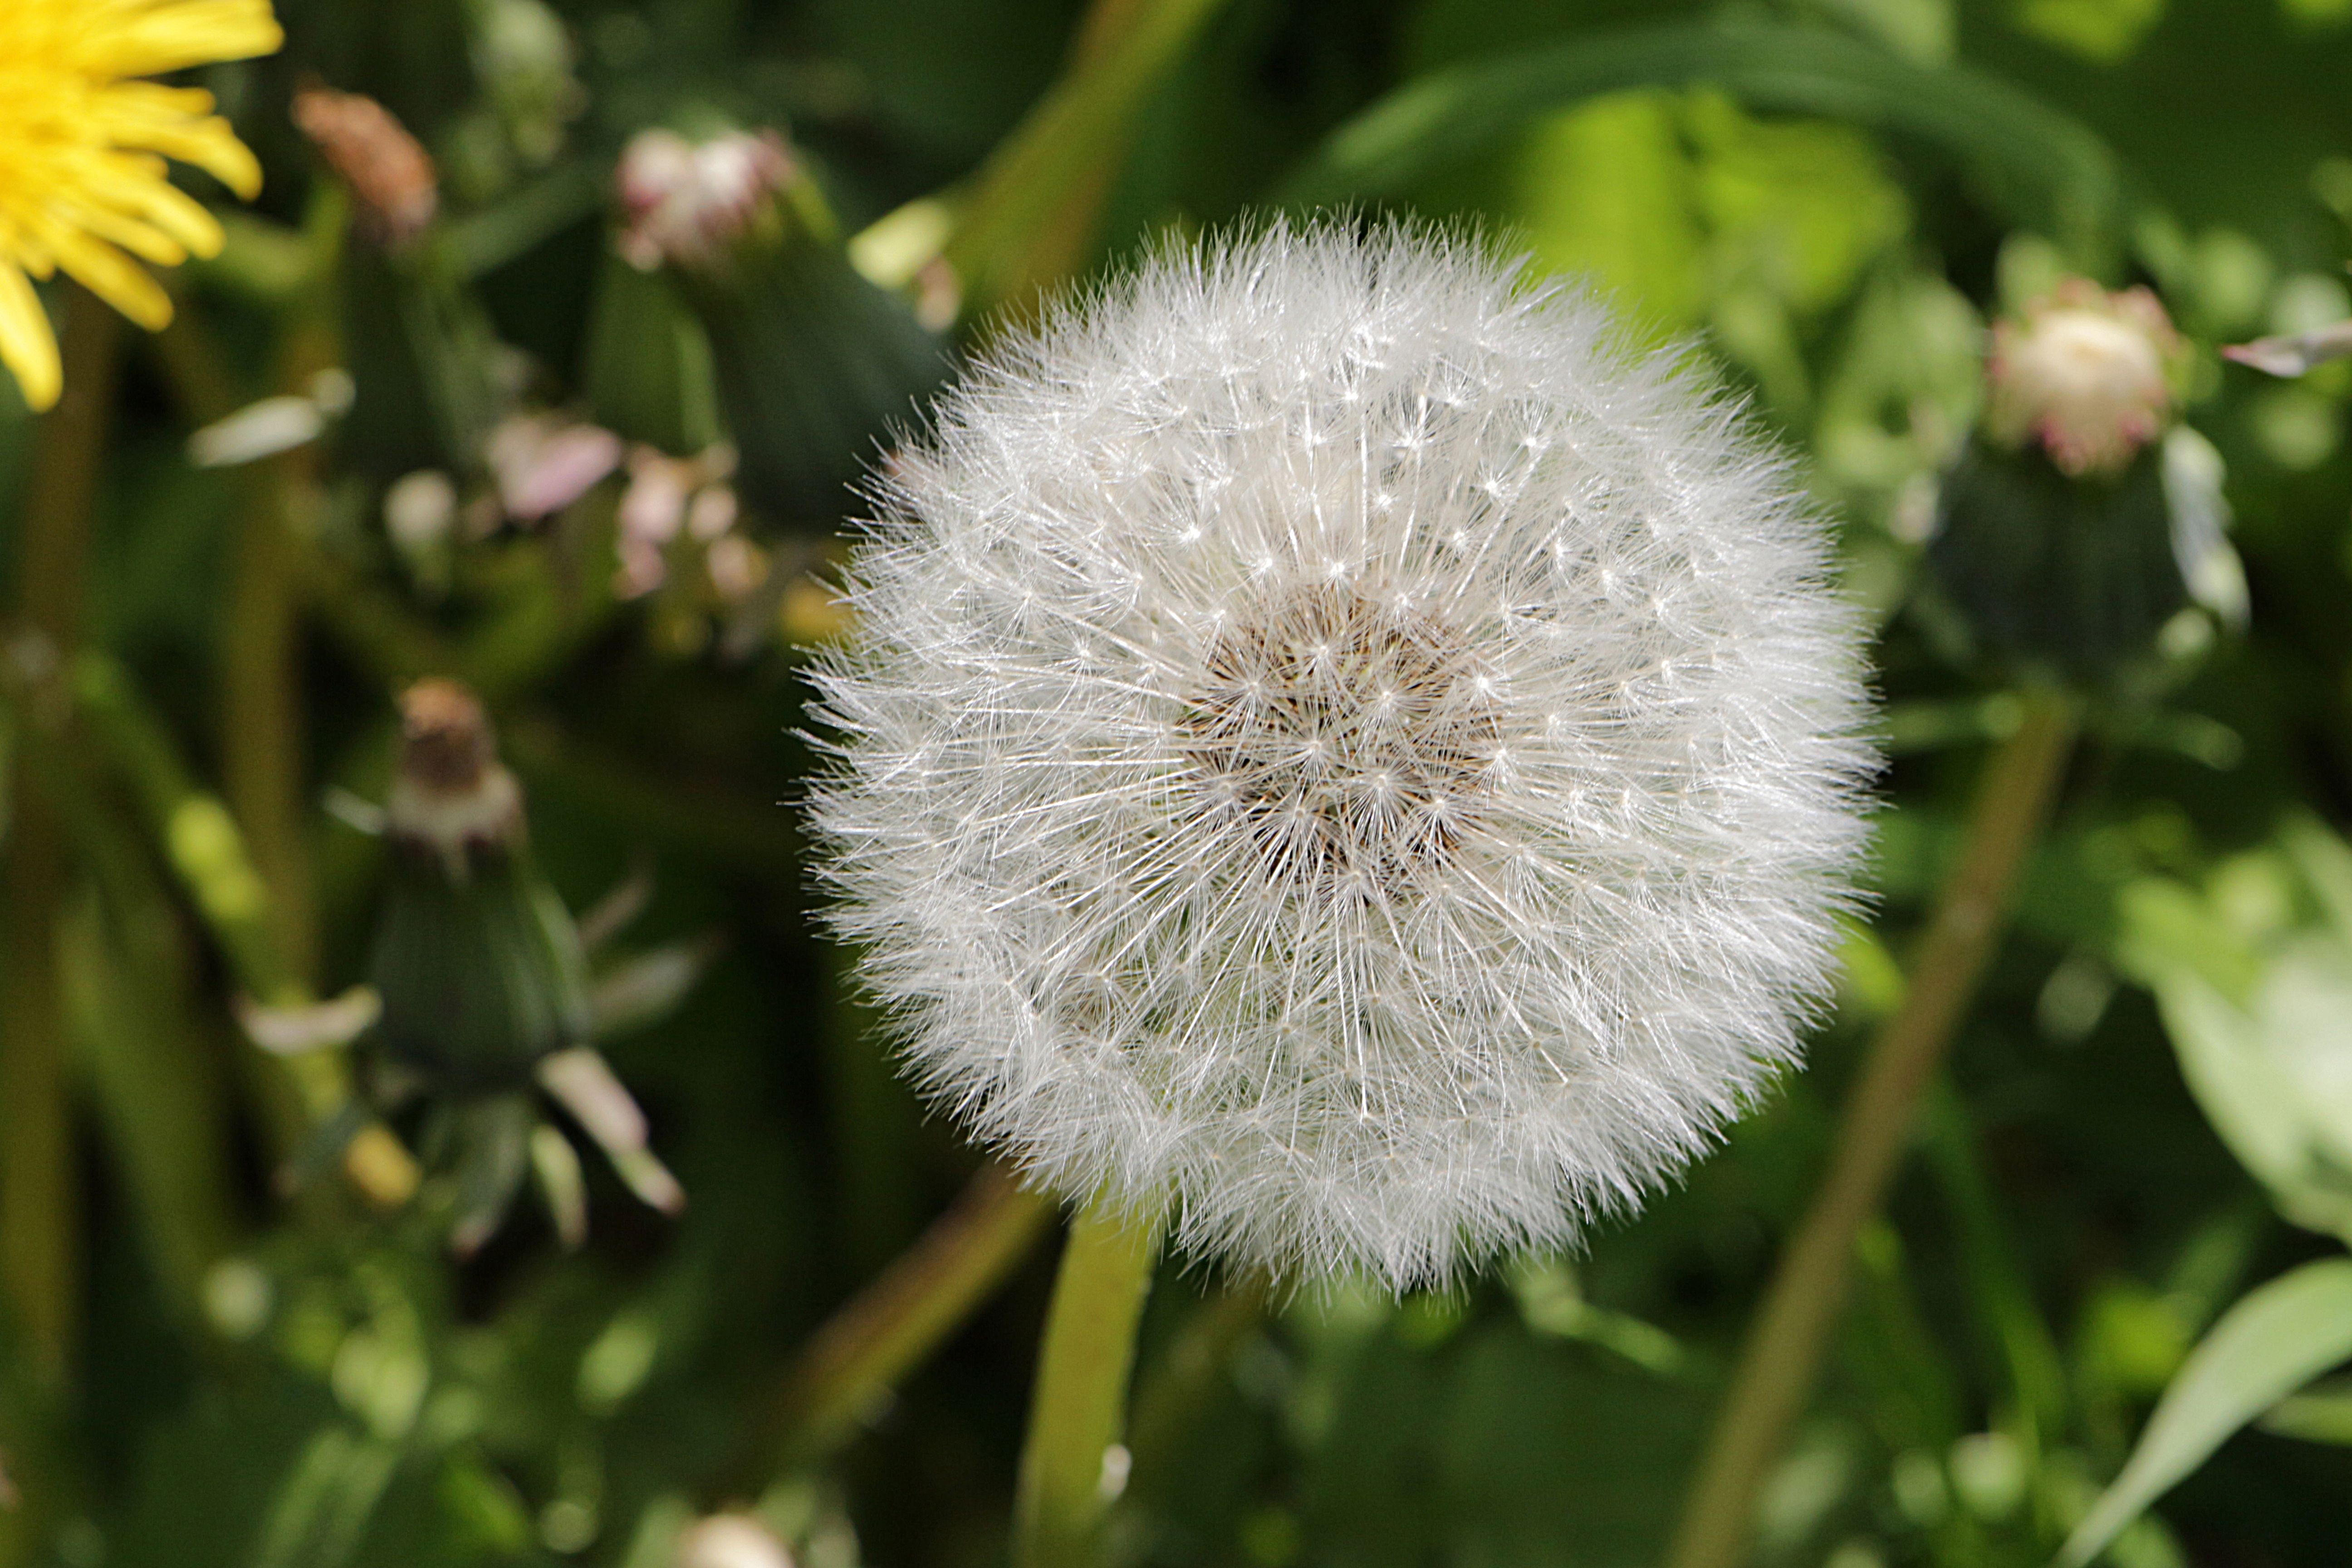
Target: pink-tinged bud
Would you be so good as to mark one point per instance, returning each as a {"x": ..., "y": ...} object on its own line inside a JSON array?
[
  {"x": 684, "y": 200},
  {"x": 667, "y": 494},
  {"x": 2086, "y": 374}
]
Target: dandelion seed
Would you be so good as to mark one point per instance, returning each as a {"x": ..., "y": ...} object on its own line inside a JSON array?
[{"x": 1440, "y": 835}]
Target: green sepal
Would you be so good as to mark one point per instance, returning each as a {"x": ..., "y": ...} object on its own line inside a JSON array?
[
  {"x": 815, "y": 367},
  {"x": 481, "y": 977},
  {"x": 2050, "y": 569},
  {"x": 648, "y": 375},
  {"x": 420, "y": 349},
  {"x": 492, "y": 1140}
]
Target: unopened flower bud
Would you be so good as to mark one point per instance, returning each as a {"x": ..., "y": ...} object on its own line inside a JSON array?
[
  {"x": 483, "y": 982},
  {"x": 813, "y": 364},
  {"x": 2086, "y": 374},
  {"x": 2072, "y": 528},
  {"x": 685, "y": 200},
  {"x": 451, "y": 797}
]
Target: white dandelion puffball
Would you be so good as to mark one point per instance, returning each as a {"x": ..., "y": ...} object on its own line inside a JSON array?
[{"x": 1339, "y": 746}]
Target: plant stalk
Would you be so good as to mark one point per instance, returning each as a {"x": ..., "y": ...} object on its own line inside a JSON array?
[
  {"x": 1034, "y": 207},
  {"x": 262, "y": 744},
  {"x": 237, "y": 883},
  {"x": 39, "y": 1247},
  {"x": 1077, "y": 1409},
  {"x": 887, "y": 1329},
  {"x": 1778, "y": 1364}
]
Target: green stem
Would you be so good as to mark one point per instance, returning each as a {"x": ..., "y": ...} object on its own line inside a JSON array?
[
  {"x": 1078, "y": 1408},
  {"x": 261, "y": 733},
  {"x": 249, "y": 871},
  {"x": 1034, "y": 205},
  {"x": 887, "y": 1329},
  {"x": 37, "y": 1243},
  {"x": 40, "y": 1244},
  {"x": 1784, "y": 1353}
]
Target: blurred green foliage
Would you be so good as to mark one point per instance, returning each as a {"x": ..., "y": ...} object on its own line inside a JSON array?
[{"x": 1830, "y": 196}]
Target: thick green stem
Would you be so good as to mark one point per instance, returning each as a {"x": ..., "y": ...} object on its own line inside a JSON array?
[
  {"x": 1080, "y": 1405},
  {"x": 1777, "y": 1368},
  {"x": 263, "y": 769},
  {"x": 1034, "y": 207},
  {"x": 38, "y": 1251},
  {"x": 887, "y": 1329}
]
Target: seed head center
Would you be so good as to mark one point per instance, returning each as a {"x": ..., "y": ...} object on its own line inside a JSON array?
[{"x": 1353, "y": 738}]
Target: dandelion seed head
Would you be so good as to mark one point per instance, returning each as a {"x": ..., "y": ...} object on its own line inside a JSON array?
[{"x": 1340, "y": 745}]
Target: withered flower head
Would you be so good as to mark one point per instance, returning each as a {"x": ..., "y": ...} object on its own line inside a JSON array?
[
  {"x": 451, "y": 795},
  {"x": 389, "y": 172},
  {"x": 2086, "y": 374}
]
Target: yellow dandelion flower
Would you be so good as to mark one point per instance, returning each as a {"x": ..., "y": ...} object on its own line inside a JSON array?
[{"x": 83, "y": 183}]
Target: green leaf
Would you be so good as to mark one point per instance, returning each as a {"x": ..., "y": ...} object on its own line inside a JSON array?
[
  {"x": 2320, "y": 1413},
  {"x": 149, "y": 1074},
  {"x": 2257, "y": 1106},
  {"x": 2325, "y": 863},
  {"x": 2169, "y": 932},
  {"x": 2276, "y": 1339},
  {"x": 2052, "y": 170}
]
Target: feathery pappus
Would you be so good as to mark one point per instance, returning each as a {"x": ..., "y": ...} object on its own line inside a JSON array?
[{"x": 1341, "y": 746}]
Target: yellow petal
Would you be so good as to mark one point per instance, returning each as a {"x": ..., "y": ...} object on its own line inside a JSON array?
[
  {"x": 127, "y": 198},
  {"x": 191, "y": 32},
  {"x": 143, "y": 240},
  {"x": 111, "y": 275},
  {"x": 178, "y": 123},
  {"x": 27, "y": 347}
]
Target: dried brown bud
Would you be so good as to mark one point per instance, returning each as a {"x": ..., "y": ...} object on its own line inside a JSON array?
[
  {"x": 451, "y": 794},
  {"x": 387, "y": 170},
  {"x": 444, "y": 735}
]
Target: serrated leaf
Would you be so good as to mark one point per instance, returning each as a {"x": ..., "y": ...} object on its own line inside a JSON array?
[{"x": 2276, "y": 1339}]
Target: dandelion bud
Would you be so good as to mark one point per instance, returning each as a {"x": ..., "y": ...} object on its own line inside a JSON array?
[
  {"x": 478, "y": 963},
  {"x": 1341, "y": 746},
  {"x": 2077, "y": 522},
  {"x": 813, "y": 363},
  {"x": 452, "y": 799},
  {"x": 684, "y": 201},
  {"x": 389, "y": 174},
  {"x": 483, "y": 980},
  {"x": 2087, "y": 374}
]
